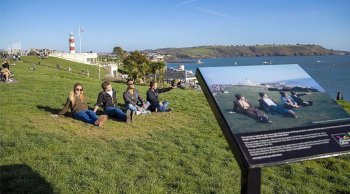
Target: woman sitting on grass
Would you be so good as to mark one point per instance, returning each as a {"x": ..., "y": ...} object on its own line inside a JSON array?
[{"x": 77, "y": 103}]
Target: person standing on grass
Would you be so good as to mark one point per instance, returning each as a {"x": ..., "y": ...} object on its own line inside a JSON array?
[
  {"x": 107, "y": 98},
  {"x": 76, "y": 101},
  {"x": 152, "y": 97},
  {"x": 133, "y": 99}
]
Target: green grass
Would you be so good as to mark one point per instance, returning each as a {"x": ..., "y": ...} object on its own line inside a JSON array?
[{"x": 179, "y": 152}]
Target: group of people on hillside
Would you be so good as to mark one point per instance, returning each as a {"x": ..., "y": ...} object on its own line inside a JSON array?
[
  {"x": 5, "y": 72},
  {"x": 268, "y": 105},
  {"x": 107, "y": 99}
]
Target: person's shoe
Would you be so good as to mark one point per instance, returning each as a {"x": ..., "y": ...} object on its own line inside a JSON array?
[
  {"x": 138, "y": 112},
  {"x": 101, "y": 120},
  {"x": 128, "y": 116},
  {"x": 293, "y": 114},
  {"x": 168, "y": 110}
]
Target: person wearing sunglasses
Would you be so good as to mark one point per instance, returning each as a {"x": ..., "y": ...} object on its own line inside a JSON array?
[
  {"x": 76, "y": 101},
  {"x": 107, "y": 98},
  {"x": 133, "y": 99}
]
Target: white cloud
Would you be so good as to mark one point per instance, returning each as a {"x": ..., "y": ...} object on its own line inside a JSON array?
[
  {"x": 185, "y": 3},
  {"x": 216, "y": 13}
]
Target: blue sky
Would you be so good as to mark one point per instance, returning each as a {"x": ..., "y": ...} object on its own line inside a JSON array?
[
  {"x": 255, "y": 74},
  {"x": 174, "y": 23}
]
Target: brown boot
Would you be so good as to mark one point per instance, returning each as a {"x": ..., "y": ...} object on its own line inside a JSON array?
[{"x": 101, "y": 120}]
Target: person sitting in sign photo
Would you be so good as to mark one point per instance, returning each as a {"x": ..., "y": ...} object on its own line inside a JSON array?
[
  {"x": 288, "y": 101},
  {"x": 241, "y": 105},
  {"x": 299, "y": 101},
  {"x": 270, "y": 106}
]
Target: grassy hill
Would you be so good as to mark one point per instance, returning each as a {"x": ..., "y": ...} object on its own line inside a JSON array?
[
  {"x": 242, "y": 51},
  {"x": 179, "y": 152}
]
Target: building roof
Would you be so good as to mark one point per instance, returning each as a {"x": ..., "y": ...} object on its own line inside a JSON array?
[{"x": 171, "y": 74}]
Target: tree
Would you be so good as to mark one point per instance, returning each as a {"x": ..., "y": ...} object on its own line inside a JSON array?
[
  {"x": 120, "y": 53},
  {"x": 136, "y": 64},
  {"x": 156, "y": 67}
]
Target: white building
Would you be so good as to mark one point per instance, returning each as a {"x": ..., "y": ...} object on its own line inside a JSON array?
[
  {"x": 87, "y": 58},
  {"x": 112, "y": 70}
]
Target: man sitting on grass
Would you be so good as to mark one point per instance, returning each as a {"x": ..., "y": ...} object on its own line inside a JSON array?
[
  {"x": 299, "y": 101},
  {"x": 108, "y": 99},
  {"x": 242, "y": 105},
  {"x": 288, "y": 101},
  {"x": 133, "y": 99},
  {"x": 152, "y": 97},
  {"x": 269, "y": 105}
]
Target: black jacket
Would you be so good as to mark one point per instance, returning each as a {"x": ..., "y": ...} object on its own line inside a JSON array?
[
  {"x": 106, "y": 100},
  {"x": 152, "y": 95}
]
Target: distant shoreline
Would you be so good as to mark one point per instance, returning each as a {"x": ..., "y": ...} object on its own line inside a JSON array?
[{"x": 204, "y": 52}]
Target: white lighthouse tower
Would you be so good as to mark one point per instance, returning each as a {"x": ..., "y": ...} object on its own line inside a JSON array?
[{"x": 71, "y": 43}]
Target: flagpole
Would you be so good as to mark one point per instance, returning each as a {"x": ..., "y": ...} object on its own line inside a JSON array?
[{"x": 79, "y": 40}]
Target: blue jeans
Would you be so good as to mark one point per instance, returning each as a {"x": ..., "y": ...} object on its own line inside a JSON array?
[
  {"x": 113, "y": 111},
  {"x": 87, "y": 116},
  {"x": 134, "y": 108},
  {"x": 280, "y": 110},
  {"x": 163, "y": 107}
]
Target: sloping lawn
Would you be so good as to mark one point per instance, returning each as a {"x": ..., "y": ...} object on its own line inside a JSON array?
[{"x": 179, "y": 152}]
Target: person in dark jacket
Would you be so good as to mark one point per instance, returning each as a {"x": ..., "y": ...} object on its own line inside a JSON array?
[
  {"x": 133, "y": 99},
  {"x": 288, "y": 101},
  {"x": 241, "y": 105},
  {"x": 340, "y": 96},
  {"x": 270, "y": 106},
  {"x": 152, "y": 97},
  {"x": 77, "y": 103},
  {"x": 299, "y": 101},
  {"x": 107, "y": 98}
]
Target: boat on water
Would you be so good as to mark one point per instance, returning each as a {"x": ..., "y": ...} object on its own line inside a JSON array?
[
  {"x": 199, "y": 61},
  {"x": 267, "y": 62}
]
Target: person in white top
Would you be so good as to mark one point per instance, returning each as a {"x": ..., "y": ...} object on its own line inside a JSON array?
[{"x": 270, "y": 106}]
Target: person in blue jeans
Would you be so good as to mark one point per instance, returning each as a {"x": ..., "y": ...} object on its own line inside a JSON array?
[
  {"x": 270, "y": 106},
  {"x": 77, "y": 103},
  {"x": 107, "y": 98},
  {"x": 133, "y": 99},
  {"x": 288, "y": 101},
  {"x": 152, "y": 98}
]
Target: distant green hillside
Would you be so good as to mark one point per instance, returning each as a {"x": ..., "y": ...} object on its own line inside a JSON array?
[
  {"x": 183, "y": 151},
  {"x": 241, "y": 51}
]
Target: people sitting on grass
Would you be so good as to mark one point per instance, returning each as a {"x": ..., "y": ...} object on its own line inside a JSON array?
[
  {"x": 288, "y": 101},
  {"x": 133, "y": 99},
  {"x": 299, "y": 101},
  {"x": 5, "y": 72},
  {"x": 270, "y": 106},
  {"x": 241, "y": 105},
  {"x": 152, "y": 97},
  {"x": 107, "y": 99},
  {"x": 76, "y": 101}
]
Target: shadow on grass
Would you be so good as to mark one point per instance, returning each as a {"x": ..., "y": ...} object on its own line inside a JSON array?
[
  {"x": 20, "y": 178},
  {"x": 49, "y": 109}
]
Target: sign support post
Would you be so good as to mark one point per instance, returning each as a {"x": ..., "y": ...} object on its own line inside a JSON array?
[{"x": 250, "y": 180}]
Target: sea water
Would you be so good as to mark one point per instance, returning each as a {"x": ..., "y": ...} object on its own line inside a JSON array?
[{"x": 332, "y": 73}]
